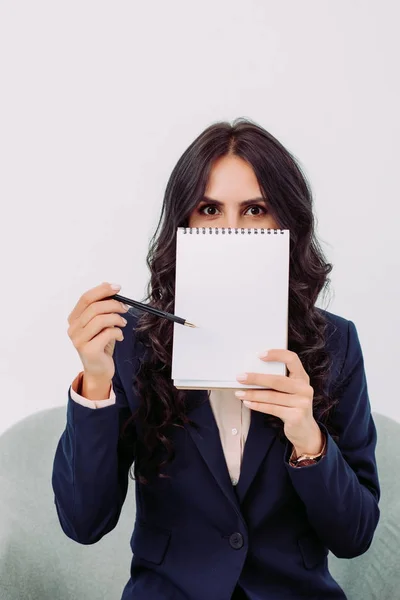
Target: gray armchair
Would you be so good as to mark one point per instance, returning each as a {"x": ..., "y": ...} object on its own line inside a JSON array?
[{"x": 38, "y": 561}]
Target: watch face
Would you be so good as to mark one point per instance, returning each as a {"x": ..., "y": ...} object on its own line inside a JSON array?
[{"x": 306, "y": 462}]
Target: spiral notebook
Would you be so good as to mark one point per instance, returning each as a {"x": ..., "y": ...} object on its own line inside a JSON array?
[{"x": 233, "y": 285}]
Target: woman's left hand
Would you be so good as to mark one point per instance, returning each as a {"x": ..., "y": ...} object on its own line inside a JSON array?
[{"x": 290, "y": 398}]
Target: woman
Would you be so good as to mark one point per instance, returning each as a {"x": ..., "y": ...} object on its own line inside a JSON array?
[{"x": 304, "y": 450}]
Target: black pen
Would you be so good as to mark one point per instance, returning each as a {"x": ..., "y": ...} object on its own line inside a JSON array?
[{"x": 150, "y": 309}]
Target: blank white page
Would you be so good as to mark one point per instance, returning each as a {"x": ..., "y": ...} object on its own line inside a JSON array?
[{"x": 234, "y": 288}]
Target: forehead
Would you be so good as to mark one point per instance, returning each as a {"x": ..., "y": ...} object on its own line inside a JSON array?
[{"x": 232, "y": 178}]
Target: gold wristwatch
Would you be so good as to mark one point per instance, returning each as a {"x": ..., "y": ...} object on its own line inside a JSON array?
[{"x": 304, "y": 460}]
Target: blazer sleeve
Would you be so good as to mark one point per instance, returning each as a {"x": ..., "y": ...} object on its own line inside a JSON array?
[
  {"x": 341, "y": 491},
  {"x": 91, "y": 467}
]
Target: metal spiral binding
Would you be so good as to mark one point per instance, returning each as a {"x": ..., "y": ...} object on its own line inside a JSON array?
[{"x": 229, "y": 230}]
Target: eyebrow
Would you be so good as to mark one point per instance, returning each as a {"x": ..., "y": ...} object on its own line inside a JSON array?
[{"x": 244, "y": 203}]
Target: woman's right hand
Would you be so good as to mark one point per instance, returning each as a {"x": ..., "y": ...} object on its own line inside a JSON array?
[{"x": 94, "y": 327}]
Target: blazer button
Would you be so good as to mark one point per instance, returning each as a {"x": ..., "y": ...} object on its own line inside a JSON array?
[{"x": 236, "y": 540}]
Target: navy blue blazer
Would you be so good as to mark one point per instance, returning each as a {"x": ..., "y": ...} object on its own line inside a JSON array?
[{"x": 195, "y": 536}]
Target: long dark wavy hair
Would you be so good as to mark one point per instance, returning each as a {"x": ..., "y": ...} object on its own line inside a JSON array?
[{"x": 290, "y": 202}]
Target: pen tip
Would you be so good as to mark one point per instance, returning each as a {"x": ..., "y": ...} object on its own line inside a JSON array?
[{"x": 189, "y": 324}]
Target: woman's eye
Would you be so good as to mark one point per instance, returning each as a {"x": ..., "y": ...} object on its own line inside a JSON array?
[
  {"x": 257, "y": 210},
  {"x": 211, "y": 207}
]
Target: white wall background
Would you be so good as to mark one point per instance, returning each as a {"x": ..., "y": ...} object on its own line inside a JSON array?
[{"x": 99, "y": 99}]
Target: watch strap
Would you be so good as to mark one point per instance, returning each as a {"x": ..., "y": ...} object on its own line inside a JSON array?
[{"x": 305, "y": 460}]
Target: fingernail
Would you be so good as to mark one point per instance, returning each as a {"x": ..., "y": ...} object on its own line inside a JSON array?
[
  {"x": 242, "y": 377},
  {"x": 240, "y": 394},
  {"x": 263, "y": 354},
  {"x": 115, "y": 286}
]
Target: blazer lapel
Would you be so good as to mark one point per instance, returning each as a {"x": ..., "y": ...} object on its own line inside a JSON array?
[
  {"x": 259, "y": 440},
  {"x": 208, "y": 441}
]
